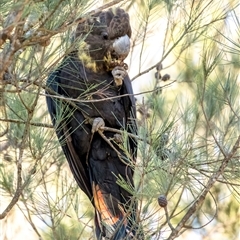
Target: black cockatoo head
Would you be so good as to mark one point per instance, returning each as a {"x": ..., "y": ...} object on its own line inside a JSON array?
[{"x": 104, "y": 39}]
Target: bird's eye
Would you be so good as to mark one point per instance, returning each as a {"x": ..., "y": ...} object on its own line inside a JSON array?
[{"x": 104, "y": 35}]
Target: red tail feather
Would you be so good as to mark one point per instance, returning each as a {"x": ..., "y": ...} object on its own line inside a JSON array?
[{"x": 110, "y": 215}]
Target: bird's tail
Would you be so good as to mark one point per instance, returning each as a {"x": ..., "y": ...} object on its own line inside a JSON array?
[{"x": 111, "y": 221}]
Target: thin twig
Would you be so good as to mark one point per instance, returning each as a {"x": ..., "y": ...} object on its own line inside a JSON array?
[
  {"x": 204, "y": 193},
  {"x": 122, "y": 132},
  {"x": 20, "y": 184},
  {"x": 98, "y": 100},
  {"x": 51, "y": 126},
  {"x": 111, "y": 145},
  {"x": 24, "y": 122}
]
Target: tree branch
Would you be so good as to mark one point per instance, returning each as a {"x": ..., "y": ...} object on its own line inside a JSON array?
[{"x": 197, "y": 204}]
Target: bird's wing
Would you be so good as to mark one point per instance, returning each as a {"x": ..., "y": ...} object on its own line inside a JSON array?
[{"x": 66, "y": 122}]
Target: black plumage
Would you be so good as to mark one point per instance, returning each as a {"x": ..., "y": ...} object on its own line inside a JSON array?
[{"x": 89, "y": 73}]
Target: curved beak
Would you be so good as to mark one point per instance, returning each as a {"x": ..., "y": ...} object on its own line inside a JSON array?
[{"x": 121, "y": 46}]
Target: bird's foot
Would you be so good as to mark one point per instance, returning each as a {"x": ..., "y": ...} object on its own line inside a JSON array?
[
  {"x": 118, "y": 138},
  {"x": 119, "y": 73},
  {"x": 97, "y": 124}
]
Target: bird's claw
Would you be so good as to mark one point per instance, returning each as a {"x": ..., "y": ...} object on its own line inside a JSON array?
[
  {"x": 97, "y": 124},
  {"x": 118, "y": 138},
  {"x": 119, "y": 73}
]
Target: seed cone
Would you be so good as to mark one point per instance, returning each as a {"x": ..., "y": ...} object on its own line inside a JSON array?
[{"x": 162, "y": 201}]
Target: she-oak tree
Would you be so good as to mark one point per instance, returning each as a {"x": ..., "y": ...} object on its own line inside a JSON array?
[{"x": 187, "y": 90}]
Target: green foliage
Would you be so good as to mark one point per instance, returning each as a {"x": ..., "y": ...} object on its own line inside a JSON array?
[{"x": 188, "y": 126}]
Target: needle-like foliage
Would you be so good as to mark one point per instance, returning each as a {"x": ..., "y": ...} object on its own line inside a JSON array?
[{"x": 184, "y": 66}]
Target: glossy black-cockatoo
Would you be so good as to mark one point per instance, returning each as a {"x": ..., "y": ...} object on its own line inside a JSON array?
[{"x": 98, "y": 93}]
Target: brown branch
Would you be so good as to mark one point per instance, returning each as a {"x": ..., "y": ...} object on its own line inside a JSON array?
[
  {"x": 54, "y": 94},
  {"x": 24, "y": 122},
  {"x": 11, "y": 22},
  {"x": 122, "y": 132},
  {"x": 51, "y": 126},
  {"x": 28, "y": 215},
  {"x": 111, "y": 145},
  {"x": 17, "y": 194},
  {"x": 97, "y": 100},
  {"x": 20, "y": 184}
]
